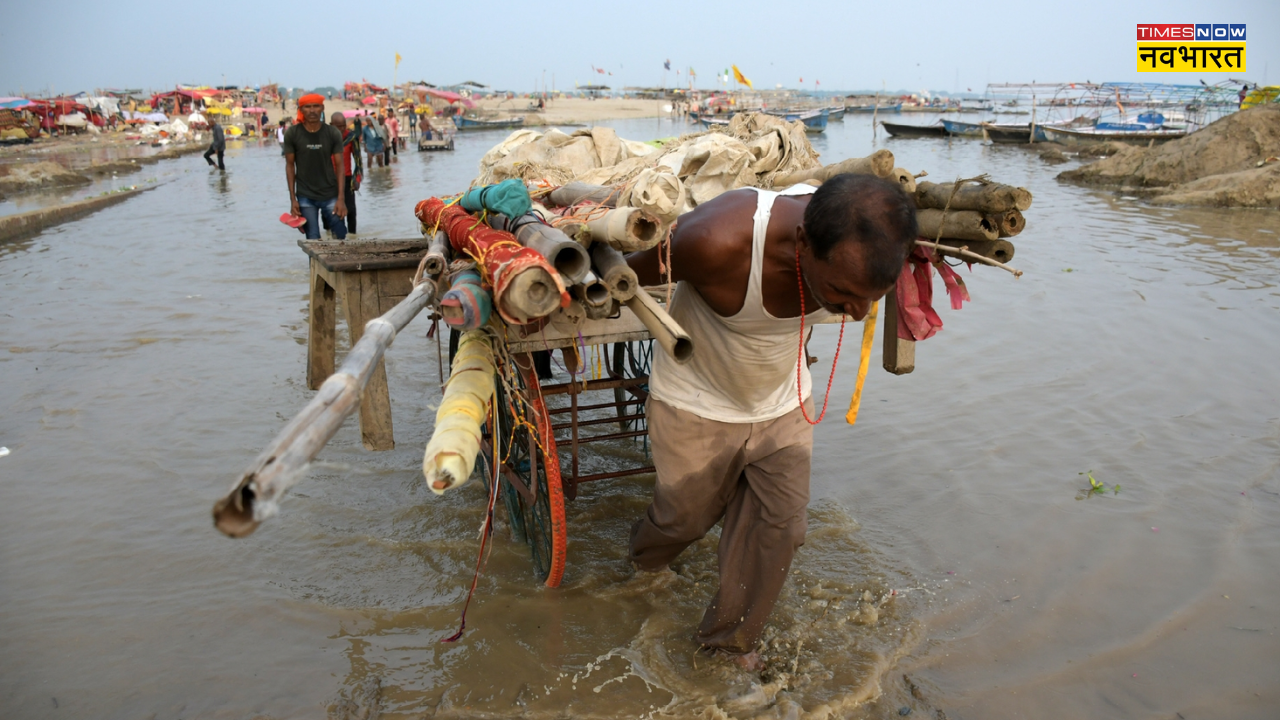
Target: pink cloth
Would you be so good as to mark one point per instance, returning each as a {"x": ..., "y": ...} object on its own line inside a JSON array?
[
  {"x": 393, "y": 127},
  {"x": 917, "y": 320}
]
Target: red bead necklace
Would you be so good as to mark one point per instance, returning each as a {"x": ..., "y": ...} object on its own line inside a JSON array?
[{"x": 800, "y": 352}]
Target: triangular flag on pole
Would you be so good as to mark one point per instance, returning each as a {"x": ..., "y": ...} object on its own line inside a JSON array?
[
  {"x": 398, "y": 59},
  {"x": 737, "y": 75}
]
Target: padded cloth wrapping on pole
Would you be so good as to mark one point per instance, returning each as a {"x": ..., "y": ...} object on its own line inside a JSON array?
[
  {"x": 467, "y": 305},
  {"x": 451, "y": 454},
  {"x": 509, "y": 197},
  {"x": 525, "y": 286}
]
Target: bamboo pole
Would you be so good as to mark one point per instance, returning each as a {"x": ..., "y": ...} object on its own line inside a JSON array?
[
  {"x": 611, "y": 267},
  {"x": 626, "y": 229},
  {"x": 670, "y": 336},
  {"x": 576, "y": 192},
  {"x": 878, "y": 163},
  {"x": 595, "y": 297},
  {"x": 565, "y": 254},
  {"x": 956, "y": 224},
  {"x": 988, "y": 197},
  {"x": 905, "y": 180},
  {"x": 438, "y": 254},
  {"x": 1008, "y": 223},
  {"x": 998, "y": 250},
  {"x": 257, "y": 494}
]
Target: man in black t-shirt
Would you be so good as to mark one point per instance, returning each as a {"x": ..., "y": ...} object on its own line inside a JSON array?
[{"x": 314, "y": 170}]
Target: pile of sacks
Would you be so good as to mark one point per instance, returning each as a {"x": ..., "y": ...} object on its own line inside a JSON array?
[{"x": 664, "y": 179}]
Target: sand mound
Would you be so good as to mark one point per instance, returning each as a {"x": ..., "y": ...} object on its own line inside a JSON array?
[
  {"x": 1255, "y": 188},
  {"x": 30, "y": 176},
  {"x": 1233, "y": 144}
]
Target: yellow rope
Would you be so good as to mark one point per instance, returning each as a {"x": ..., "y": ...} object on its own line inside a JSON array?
[{"x": 868, "y": 335}]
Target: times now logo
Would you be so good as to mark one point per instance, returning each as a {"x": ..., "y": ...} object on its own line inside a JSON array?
[{"x": 1192, "y": 32}]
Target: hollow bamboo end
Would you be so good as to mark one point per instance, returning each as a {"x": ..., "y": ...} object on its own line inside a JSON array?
[
  {"x": 571, "y": 260},
  {"x": 682, "y": 350},
  {"x": 233, "y": 514}
]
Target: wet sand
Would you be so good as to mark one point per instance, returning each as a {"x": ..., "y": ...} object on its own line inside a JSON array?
[{"x": 149, "y": 353}]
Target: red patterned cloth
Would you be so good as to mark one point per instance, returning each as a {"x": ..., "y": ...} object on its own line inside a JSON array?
[
  {"x": 496, "y": 252},
  {"x": 917, "y": 320}
]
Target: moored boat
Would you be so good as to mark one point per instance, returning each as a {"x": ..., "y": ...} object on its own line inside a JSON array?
[
  {"x": 914, "y": 131},
  {"x": 466, "y": 123},
  {"x": 873, "y": 109},
  {"x": 1090, "y": 136},
  {"x": 963, "y": 129},
  {"x": 1012, "y": 134}
]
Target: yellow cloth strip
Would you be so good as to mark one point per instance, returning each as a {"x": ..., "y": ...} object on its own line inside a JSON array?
[{"x": 868, "y": 335}]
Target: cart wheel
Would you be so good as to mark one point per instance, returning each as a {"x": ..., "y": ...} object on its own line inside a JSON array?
[
  {"x": 536, "y": 507},
  {"x": 631, "y": 360}
]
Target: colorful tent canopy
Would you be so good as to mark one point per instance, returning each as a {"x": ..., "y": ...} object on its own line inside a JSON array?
[
  {"x": 14, "y": 103},
  {"x": 451, "y": 97}
]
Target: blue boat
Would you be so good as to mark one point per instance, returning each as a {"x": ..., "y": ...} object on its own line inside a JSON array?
[
  {"x": 837, "y": 113},
  {"x": 963, "y": 129},
  {"x": 815, "y": 121},
  {"x": 874, "y": 109},
  {"x": 466, "y": 123},
  {"x": 713, "y": 121}
]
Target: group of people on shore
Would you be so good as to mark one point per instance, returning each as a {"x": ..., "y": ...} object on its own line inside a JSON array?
[
  {"x": 323, "y": 163},
  {"x": 324, "y": 166}
]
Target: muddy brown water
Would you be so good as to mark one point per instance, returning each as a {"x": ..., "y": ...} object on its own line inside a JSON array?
[{"x": 954, "y": 565}]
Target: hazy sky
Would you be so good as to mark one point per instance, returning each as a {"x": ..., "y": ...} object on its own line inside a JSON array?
[{"x": 846, "y": 45}]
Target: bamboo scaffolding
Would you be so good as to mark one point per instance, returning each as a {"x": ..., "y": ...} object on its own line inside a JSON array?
[{"x": 256, "y": 496}]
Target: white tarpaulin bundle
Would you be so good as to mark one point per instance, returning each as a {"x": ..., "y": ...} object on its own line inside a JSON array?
[{"x": 666, "y": 181}]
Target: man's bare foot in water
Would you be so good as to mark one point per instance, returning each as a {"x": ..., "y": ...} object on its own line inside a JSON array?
[{"x": 749, "y": 661}]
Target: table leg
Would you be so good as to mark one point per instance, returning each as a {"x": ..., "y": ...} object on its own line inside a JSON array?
[
  {"x": 321, "y": 330},
  {"x": 360, "y": 300}
]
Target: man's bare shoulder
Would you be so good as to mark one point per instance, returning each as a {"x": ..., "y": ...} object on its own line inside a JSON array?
[{"x": 712, "y": 236}]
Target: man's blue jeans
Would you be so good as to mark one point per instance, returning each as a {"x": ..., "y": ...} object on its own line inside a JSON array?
[{"x": 312, "y": 211}]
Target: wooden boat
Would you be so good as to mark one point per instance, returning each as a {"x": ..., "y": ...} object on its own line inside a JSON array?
[
  {"x": 873, "y": 109},
  {"x": 814, "y": 121},
  {"x": 963, "y": 129},
  {"x": 1090, "y": 136},
  {"x": 438, "y": 142},
  {"x": 915, "y": 131},
  {"x": 1013, "y": 134},
  {"x": 466, "y": 123},
  {"x": 836, "y": 113},
  {"x": 714, "y": 121}
]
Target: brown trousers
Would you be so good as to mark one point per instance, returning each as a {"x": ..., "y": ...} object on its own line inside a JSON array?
[{"x": 754, "y": 476}]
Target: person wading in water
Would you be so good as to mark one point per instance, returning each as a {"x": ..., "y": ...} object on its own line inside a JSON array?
[{"x": 731, "y": 430}]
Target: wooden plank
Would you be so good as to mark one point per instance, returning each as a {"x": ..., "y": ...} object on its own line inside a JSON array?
[
  {"x": 397, "y": 282},
  {"x": 899, "y": 354},
  {"x": 322, "y": 329},
  {"x": 386, "y": 303}
]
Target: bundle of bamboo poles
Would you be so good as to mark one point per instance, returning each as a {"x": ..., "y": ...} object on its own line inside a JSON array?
[{"x": 977, "y": 216}]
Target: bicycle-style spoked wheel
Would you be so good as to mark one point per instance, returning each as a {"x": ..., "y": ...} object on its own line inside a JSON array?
[{"x": 531, "y": 486}]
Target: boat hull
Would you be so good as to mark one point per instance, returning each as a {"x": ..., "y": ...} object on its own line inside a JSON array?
[
  {"x": 463, "y": 123},
  {"x": 1065, "y": 136},
  {"x": 915, "y": 131},
  {"x": 963, "y": 129}
]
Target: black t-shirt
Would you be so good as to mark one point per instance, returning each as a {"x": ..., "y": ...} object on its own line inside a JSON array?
[{"x": 313, "y": 153}]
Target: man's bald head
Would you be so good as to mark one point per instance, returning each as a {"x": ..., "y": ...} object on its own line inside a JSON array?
[
  {"x": 338, "y": 120},
  {"x": 875, "y": 214}
]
